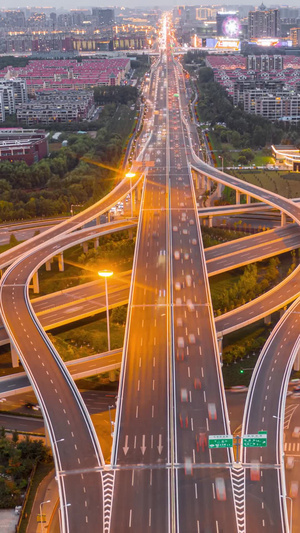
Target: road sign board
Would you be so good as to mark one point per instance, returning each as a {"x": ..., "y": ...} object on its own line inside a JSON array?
[
  {"x": 258, "y": 440},
  {"x": 220, "y": 441},
  {"x": 41, "y": 518}
]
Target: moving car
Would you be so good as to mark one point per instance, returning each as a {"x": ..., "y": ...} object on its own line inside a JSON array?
[
  {"x": 294, "y": 487},
  {"x": 290, "y": 462},
  {"x": 190, "y": 305},
  {"x": 184, "y": 395},
  {"x": 212, "y": 411},
  {"x": 188, "y": 467},
  {"x": 255, "y": 471},
  {"x": 220, "y": 489}
]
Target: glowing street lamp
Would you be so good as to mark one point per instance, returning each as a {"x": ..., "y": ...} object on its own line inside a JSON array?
[
  {"x": 130, "y": 175},
  {"x": 106, "y": 274},
  {"x": 41, "y": 515}
]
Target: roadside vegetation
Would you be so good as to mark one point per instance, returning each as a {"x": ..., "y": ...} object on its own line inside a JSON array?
[
  {"x": 17, "y": 460},
  {"x": 49, "y": 187}
]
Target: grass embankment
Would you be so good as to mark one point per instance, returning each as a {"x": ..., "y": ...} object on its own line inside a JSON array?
[
  {"x": 114, "y": 253},
  {"x": 86, "y": 337},
  {"x": 245, "y": 344},
  {"x": 279, "y": 181}
]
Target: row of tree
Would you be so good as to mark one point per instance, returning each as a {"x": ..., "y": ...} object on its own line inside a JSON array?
[
  {"x": 250, "y": 285},
  {"x": 17, "y": 459},
  {"x": 242, "y": 129},
  {"x": 67, "y": 177}
]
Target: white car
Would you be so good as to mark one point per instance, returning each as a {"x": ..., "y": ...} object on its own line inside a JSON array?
[
  {"x": 184, "y": 395},
  {"x": 220, "y": 489},
  {"x": 177, "y": 286},
  {"x": 176, "y": 255},
  {"x": 192, "y": 339},
  {"x": 290, "y": 462},
  {"x": 190, "y": 305},
  {"x": 296, "y": 432},
  {"x": 180, "y": 342},
  {"x": 186, "y": 256},
  {"x": 188, "y": 280},
  {"x": 175, "y": 228}
]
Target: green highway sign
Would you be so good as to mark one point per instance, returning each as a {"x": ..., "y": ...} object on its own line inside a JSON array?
[
  {"x": 258, "y": 440},
  {"x": 220, "y": 441}
]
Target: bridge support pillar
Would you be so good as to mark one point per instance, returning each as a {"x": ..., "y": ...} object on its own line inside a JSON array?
[
  {"x": 248, "y": 199},
  {"x": 237, "y": 197},
  {"x": 15, "y": 360},
  {"x": 219, "y": 189},
  {"x": 220, "y": 346},
  {"x": 96, "y": 243},
  {"x": 35, "y": 280},
  {"x": 112, "y": 375},
  {"x": 98, "y": 222},
  {"x": 267, "y": 320},
  {"x": 210, "y": 221},
  {"x": 85, "y": 247},
  {"x": 283, "y": 219},
  {"x": 108, "y": 216},
  {"x": 61, "y": 264},
  {"x": 282, "y": 311},
  {"x": 48, "y": 266}
]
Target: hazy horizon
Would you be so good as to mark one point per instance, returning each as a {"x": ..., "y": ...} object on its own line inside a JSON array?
[{"x": 68, "y": 4}]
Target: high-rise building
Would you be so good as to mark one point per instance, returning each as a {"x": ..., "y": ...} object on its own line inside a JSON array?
[
  {"x": 263, "y": 23},
  {"x": 295, "y": 36},
  {"x": 264, "y": 62},
  {"x": 14, "y": 92},
  {"x": 104, "y": 17}
]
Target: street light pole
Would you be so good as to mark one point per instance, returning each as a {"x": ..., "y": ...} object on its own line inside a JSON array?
[
  {"x": 221, "y": 157},
  {"x": 107, "y": 315},
  {"x": 41, "y": 515},
  {"x": 291, "y": 515},
  {"x": 110, "y": 420},
  {"x": 130, "y": 175},
  {"x": 106, "y": 274}
]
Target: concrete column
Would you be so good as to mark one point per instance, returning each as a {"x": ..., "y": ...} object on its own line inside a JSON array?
[
  {"x": 248, "y": 199},
  {"x": 210, "y": 221},
  {"x": 219, "y": 189},
  {"x": 220, "y": 346},
  {"x": 48, "y": 266},
  {"x": 98, "y": 221},
  {"x": 108, "y": 216},
  {"x": 283, "y": 218},
  {"x": 61, "y": 264},
  {"x": 36, "y": 285},
  {"x": 267, "y": 319},
  {"x": 237, "y": 197},
  {"x": 85, "y": 247},
  {"x": 14, "y": 356},
  {"x": 282, "y": 311},
  {"x": 112, "y": 375},
  {"x": 96, "y": 243},
  {"x": 208, "y": 184}
]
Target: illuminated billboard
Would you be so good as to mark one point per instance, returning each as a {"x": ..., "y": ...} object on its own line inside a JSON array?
[
  {"x": 228, "y": 24},
  {"x": 216, "y": 44}
]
